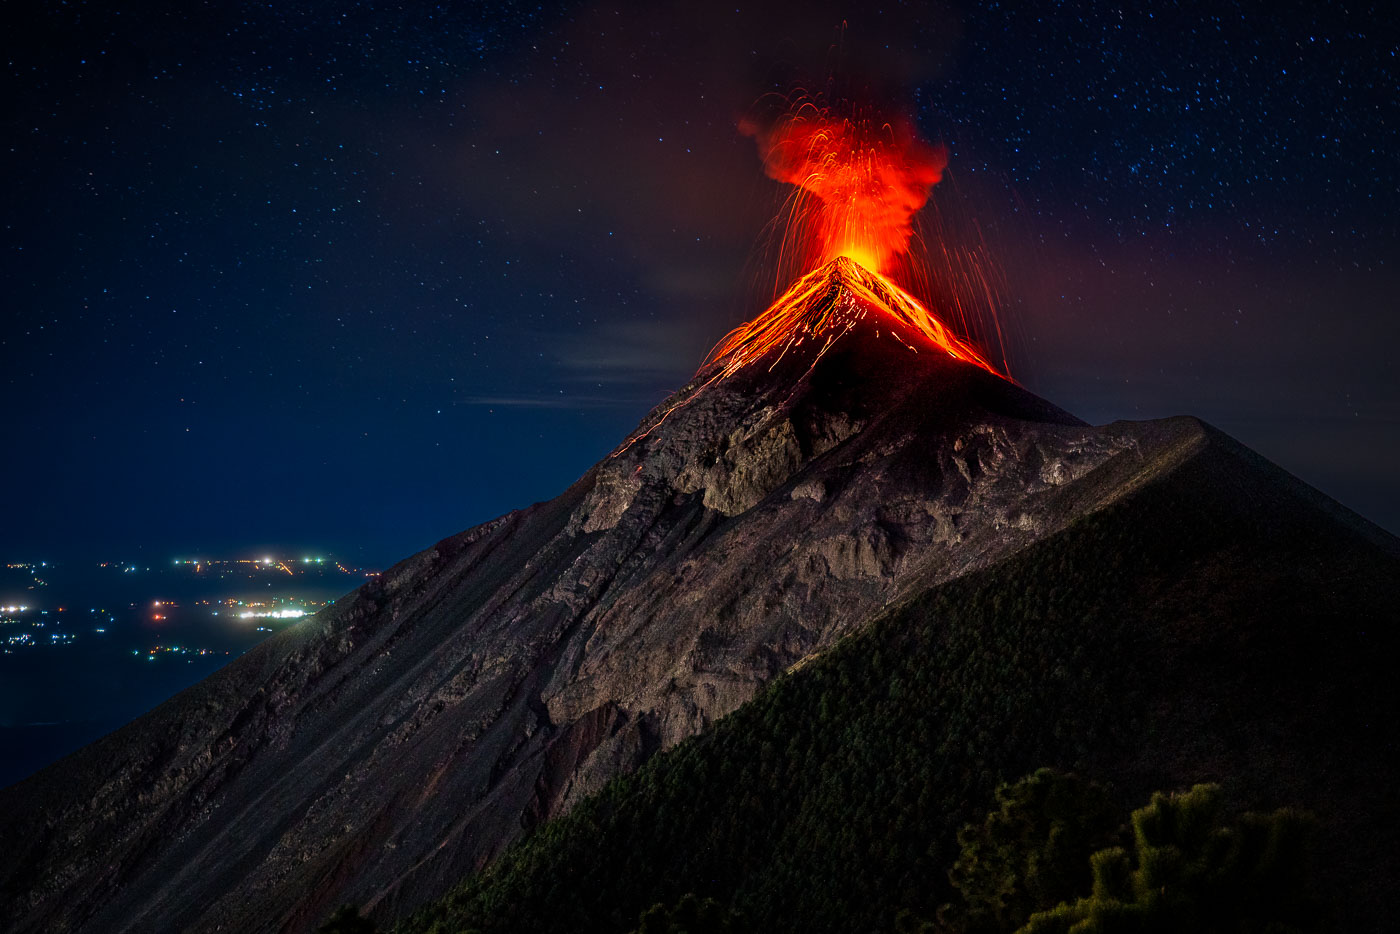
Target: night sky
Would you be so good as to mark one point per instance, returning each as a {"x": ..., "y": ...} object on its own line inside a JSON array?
[{"x": 359, "y": 276}]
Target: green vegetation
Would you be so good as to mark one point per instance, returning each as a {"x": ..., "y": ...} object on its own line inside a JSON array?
[
  {"x": 1031, "y": 853},
  {"x": 1191, "y": 871},
  {"x": 832, "y": 802},
  {"x": 691, "y": 915}
]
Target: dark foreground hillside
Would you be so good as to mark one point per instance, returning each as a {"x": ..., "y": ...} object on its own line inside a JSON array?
[{"x": 1223, "y": 624}]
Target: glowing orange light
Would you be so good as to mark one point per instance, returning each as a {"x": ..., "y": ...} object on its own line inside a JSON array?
[
  {"x": 828, "y": 302},
  {"x": 859, "y": 182}
]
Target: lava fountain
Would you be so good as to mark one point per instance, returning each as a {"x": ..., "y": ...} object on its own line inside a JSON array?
[
  {"x": 859, "y": 180},
  {"x": 858, "y": 184}
]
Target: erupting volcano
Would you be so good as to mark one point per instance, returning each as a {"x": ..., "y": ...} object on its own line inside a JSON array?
[
  {"x": 829, "y": 302},
  {"x": 846, "y": 482},
  {"x": 859, "y": 181},
  {"x": 848, "y": 227}
]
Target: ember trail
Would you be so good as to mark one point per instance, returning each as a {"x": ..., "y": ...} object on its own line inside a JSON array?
[
  {"x": 828, "y": 302},
  {"x": 847, "y": 227},
  {"x": 859, "y": 180}
]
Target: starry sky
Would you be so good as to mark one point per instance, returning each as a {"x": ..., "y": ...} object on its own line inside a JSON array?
[{"x": 358, "y": 276}]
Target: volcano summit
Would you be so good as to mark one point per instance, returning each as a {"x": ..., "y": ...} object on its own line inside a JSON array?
[
  {"x": 826, "y": 303},
  {"x": 835, "y": 461}
]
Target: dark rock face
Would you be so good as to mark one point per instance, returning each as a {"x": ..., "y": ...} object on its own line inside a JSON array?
[{"x": 377, "y": 752}]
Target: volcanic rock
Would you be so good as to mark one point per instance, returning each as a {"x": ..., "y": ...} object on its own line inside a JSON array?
[{"x": 401, "y": 738}]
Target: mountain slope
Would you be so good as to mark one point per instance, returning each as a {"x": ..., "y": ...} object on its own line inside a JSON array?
[
  {"x": 1223, "y": 623},
  {"x": 378, "y": 752}
]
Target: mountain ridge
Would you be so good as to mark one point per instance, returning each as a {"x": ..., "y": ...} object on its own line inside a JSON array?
[
  {"x": 401, "y": 739},
  {"x": 1142, "y": 646}
]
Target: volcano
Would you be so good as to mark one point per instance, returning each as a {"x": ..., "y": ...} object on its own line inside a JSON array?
[
  {"x": 836, "y": 459},
  {"x": 826, "y": 303}
]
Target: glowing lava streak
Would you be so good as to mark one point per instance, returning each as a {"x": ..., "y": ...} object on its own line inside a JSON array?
[
  {"x": 821, "y": 307},
  {"x": 859, "y": 182},
  {"x": 828, "y": 302}
]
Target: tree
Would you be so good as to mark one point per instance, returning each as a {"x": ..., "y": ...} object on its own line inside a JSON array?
[
  {"x": 1030, "y": 853},
  {"x": 1189, "y": 871},
  {"x": 690, "y": 915}
]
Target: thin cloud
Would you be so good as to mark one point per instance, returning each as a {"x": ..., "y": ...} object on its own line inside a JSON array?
[{"x": 560, "y": 401}]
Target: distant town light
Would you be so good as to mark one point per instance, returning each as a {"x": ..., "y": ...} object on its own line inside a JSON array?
[{"x": 272, "y": 614}]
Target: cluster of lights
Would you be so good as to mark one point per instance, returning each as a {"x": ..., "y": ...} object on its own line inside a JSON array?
[
  {"x": 262, "y": 612},
  {"x": 267, "y": 609},
  {"x": 268, "y": 562},
  {"x": 272, "y": 614},
  {"x": 175, "y": 650},
  {"x": 265, "y": 560},
  {"x": 55, "y": 638}
]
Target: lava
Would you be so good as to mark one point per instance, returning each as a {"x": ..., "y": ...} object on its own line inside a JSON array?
[
  {"x": 858, "y": 180},
  {"x": 828, "y": 302},
  {"x": 821, "y": 307},
  {"x": 858, "y": 184}
]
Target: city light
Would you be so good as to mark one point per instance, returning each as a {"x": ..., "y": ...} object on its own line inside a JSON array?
[
  {"x": 272, "y": 614},
  {"x": 38, "y": 628}
]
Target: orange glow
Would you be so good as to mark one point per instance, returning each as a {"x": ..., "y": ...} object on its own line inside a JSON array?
[
  {"x": 821, "y": 307},
  {"x": 846, "y": 229},
  {"x": 859, "y": 182},
  {"x": 828, "y": 302}
]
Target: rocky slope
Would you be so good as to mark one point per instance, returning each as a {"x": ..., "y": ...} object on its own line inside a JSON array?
[
  {"x": 1221, "y": 623},
  {"x": 377, "y": 752}
]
